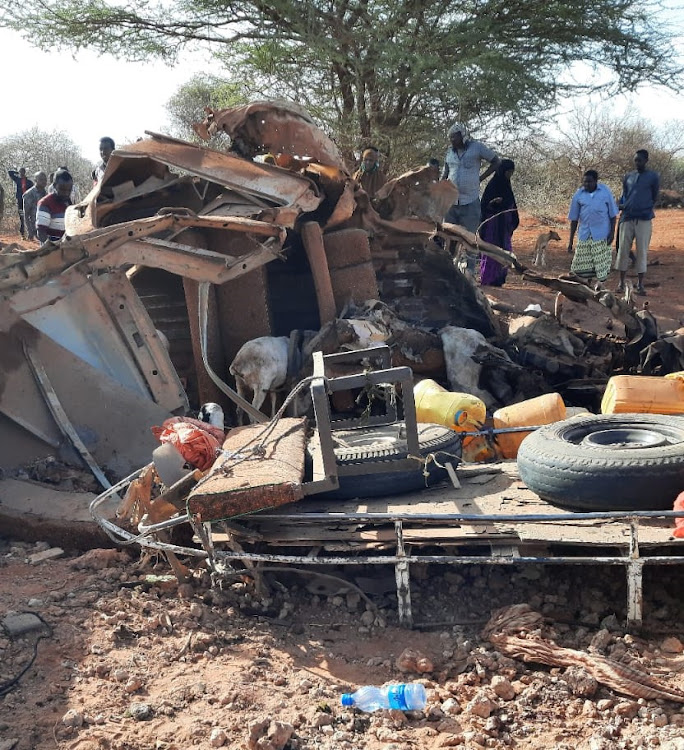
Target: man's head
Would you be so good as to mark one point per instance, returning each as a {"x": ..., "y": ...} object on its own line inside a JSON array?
[
  {"x": 370, "y": 159},
  {"x": 458, "y": 135},
  {"x": 22, "y": 171},
  {"x": 63, "y": 183},
  {"x": 106, "y": 148},
  {"x": 590, "y": 180},
  {"x": 640, "y": 159},
  {"x": 40, "y": 178}
]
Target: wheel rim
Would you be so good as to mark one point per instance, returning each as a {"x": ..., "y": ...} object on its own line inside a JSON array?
[
  {"x": 621, "y": 434},
  {"x": 624, "y": 438}
]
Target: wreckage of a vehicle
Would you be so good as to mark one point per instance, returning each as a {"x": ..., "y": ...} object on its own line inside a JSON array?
[{"x": 182, "y": 254}]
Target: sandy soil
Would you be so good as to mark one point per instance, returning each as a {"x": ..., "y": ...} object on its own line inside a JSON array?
[{"x": 129, "y": 661}]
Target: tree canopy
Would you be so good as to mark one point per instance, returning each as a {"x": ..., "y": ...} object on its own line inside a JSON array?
[{"x": 383, "y": 71}]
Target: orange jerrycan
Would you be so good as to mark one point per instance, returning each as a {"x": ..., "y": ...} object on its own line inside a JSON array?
[
  {"x": 457, "y": 411},
  {"x": 644, "y": 394},
  {"x": 544, "y": 409}
]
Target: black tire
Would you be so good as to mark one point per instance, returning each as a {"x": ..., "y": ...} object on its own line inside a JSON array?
[
  {"x": 378, "y": 448},
  {"x": 606, "y": 462}
]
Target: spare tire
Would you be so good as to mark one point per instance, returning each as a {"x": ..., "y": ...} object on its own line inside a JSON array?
[
  {"x": 606, "y": 462},
  {"x": 379, "y": 447}
]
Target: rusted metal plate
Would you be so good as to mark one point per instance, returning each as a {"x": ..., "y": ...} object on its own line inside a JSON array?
[
  {"x": 261, "y": 466},
  {"x": 418, "y": 193},
  {"x": 279, "y": 127},
  {"x": 278, "y": 186}
]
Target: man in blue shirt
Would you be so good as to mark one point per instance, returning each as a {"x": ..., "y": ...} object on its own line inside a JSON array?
[
  {"x": 462, "y": 166},
  {"x": 593, "y": 208},
  {"x": 639, "y": 192}
]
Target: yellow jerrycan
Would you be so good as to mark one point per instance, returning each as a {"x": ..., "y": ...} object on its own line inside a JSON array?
[
  {"x": 644, "y": 394},
  {"x": 457, "y": 411},
  {"x": 544, "y": 409}
]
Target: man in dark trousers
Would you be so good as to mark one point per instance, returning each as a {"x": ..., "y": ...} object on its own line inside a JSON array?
[
  {"x": 52, "y": 209},
  {"x": 22, "y": 183},
  {"x": 639, "y": 192},
  {"x": 31, "y": 198}
]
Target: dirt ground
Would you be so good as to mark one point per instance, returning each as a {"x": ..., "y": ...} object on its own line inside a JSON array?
[
  {"x": 129, "y": 660},
  {"x": 126, "y": 659}
]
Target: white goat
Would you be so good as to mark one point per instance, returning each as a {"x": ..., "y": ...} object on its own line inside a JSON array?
[{"x": 260, "y": 366}]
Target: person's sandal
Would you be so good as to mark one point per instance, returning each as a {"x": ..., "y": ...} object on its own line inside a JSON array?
[
  {"x": 620, "y": 289},
  {"x": 641, "y": 291}
]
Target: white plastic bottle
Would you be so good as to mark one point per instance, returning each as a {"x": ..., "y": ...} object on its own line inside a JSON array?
[{"x": 409, "y": 696}]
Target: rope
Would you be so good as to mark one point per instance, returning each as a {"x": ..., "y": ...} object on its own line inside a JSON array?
[{"x": 432, "y": 458}]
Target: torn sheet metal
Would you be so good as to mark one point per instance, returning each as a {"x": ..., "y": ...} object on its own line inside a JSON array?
[
  {"x": 143, "y": 168},
  {"x": 419, "y": 193},
  {"x": 101, "y": 320},
  {"x": 111, "y": 420},
  {"x": 275, "y": 127},
  {"x": 110, "y": 246}
]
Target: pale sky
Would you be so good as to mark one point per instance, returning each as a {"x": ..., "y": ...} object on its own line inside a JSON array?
[{"x": 105, "y": 96}]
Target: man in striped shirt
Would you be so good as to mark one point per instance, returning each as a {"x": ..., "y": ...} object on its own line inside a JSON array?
[{"x": 51, "y": 209}]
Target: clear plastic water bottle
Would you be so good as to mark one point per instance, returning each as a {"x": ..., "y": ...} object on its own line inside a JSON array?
[{"x": 405, "y": 696}]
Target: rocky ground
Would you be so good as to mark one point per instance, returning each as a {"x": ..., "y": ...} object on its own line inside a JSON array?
[{"x": 127, "y": 659}]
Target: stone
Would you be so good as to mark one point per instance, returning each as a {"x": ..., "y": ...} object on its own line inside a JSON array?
[
  {"x": 19, "y": 624},
  {"x": 580, "y": 682},
  {"x": 322, "y": 719},
  {"x": 672, "y": 645},
  {"x": 9, "y": 744},
  {"x": 411, "y": 660},
  {"x": 451, "y": 707},
  {"x": 140, "y": 711},
  {"x": 628, "y": 709},
  {"x": 502, "y": 688},
  {"x": 48, "y": 554},
  {"x": 367, "y": 618},
  {"x": 481, "y": 706},
  {"x": 218, "y": 738},
  {"x": 660, "y": 720},
  {"x": 73, "y": 718}
]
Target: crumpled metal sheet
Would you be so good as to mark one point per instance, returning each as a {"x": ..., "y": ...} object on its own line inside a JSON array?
[
  {"x": 418, "y": 193},
  {"x": 275, "y": 127}
]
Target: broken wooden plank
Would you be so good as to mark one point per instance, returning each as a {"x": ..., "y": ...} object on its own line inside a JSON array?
[{"x": 261, "y": 466}]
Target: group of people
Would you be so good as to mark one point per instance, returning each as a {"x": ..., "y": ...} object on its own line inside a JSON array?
[
  {"x": 594, "y": 214},
  {"x": 42, "y": 206}
]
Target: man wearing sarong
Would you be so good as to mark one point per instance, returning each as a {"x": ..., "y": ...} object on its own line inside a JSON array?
[{"x": 593, "y": 208}]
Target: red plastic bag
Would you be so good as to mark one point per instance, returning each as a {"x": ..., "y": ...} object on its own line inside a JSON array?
[
  {"x": 197, "y": 445},
  {"x": 216, "y": 432},
  {"x": 679, "y": 522}
]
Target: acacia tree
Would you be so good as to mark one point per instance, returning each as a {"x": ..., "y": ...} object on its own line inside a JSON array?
[{"x": 386, "y": 71}]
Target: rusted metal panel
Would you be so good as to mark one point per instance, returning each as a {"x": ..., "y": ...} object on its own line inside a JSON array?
[
  {"x": 278, "y": 127},
  {"x": 279, "y": 187}
]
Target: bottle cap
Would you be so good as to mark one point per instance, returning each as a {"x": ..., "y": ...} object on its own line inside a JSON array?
[{"x": 347, "y": 699}]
